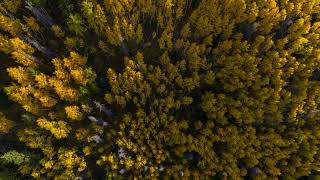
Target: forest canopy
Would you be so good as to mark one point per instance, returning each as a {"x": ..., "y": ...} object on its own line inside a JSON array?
[{"x": 159, "y": 89}]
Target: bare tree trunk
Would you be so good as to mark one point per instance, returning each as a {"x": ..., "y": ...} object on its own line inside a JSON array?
[
  {"x": 41, "y": 14},
  {"x": 29, "y": 39},
  {"x": 38, "y": 46},
  {"x": 123, "y": 46}
]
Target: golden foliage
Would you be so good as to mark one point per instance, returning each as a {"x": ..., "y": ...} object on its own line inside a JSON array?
[
  {"x": 31, "y": 22},
  {"x": 73, "y": 112},
  {"x": 5, "y": 124},
  {"x": 225, "y": 89},
  {"x": 59, "y": 129}
]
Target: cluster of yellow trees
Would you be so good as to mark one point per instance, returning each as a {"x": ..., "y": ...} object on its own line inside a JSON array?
[{"x": 189, "y": 89}]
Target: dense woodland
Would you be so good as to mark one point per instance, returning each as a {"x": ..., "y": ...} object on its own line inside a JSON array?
[{"x": 159, "y": 89}]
